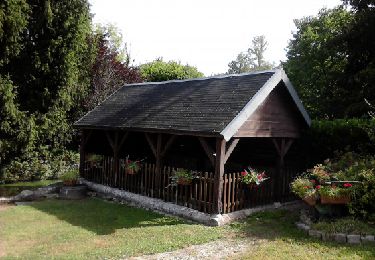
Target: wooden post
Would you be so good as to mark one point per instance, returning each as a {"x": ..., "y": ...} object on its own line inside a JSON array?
[
  {"x": 281, "y": 148},
  {"x": 82, "y": 154},
  {"x": 219, "y": 172},
  {"x": 116, "y": 146},
  {"x": 158, "y": 163}
]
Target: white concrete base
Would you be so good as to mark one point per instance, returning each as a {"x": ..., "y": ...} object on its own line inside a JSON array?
[{"x": 177, "y": 210}]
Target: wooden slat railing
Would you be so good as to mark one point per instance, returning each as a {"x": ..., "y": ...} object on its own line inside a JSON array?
[{"x": 199, "y": 195}]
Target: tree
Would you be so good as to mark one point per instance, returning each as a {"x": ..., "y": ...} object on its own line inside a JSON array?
[
  {"x": 111, "y": 68},
  {"x": 159, "y": 70},
  {"x": 253, "y": 59},
  {"x": 359, "y": 75},
  {"x": 316, "y": 60},
  {"x": 45, "y": 62}
]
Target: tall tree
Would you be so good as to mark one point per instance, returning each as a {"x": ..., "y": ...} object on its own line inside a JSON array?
[
  {"x": 253, "y": 59},
  {"x": 316, "y": 60},
  {"x": 159, "y": 70},
  {"x": 359, "y": 76},
  {"x": 111, "y": 68},
  {"x": 45, "y": 63}
]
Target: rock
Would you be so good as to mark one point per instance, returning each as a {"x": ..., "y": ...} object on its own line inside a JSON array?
[
  {"x": 51, "y": 196},
  {"x": 27, "y": 195},
  {"x": 73, "y": 192},
  {"x": 23, "y": 203},
  {"x": 354, "y": 239},
  {"x": 277, "y": 205},
  {"x": 54, "y": 188},
  {"x": 315, "y": 233},
  {"x": 339, "y": 237},
  {"x": 368, "y": 239}
]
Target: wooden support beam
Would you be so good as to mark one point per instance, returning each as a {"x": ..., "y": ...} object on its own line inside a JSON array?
[
  {"x": 208, "y": 150},
  {"x": 82, "y": 153},
  {"x": 219, "y": 172},
  {"x": 111, "y": 142},
  {"x": 150, "y": 142},
  {"x": 230, "y": 149},
  {"x": 282, "y": 148},
  {"x": 167, "y": 145}
]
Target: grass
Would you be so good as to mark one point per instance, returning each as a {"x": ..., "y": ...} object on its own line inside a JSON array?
[
  {"x": 12, "y": 189},
  {"x": 30, "y": 184},
  {"x": 346, "y": 225},
  {"x": 93, "y": 228},
  {"x": 280, "y": 239}
]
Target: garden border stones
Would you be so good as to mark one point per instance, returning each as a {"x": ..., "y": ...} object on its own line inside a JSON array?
[
  {"x": 168, "y": 208},
  {"x": 338, "y": 237}
]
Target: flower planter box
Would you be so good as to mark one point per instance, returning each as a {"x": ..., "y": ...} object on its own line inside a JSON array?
[
  {"x": 310, "y": 200},
  {"x": 345, "y": 199},
  {"x": 184, "y": 181},
  {"x": 130, "y": 171},
  {"x": 252, "y": 186},
  {"x": 70, "y": 183}
]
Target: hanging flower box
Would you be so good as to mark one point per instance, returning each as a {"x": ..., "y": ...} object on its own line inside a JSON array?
[
  {"x": 132, "y": 167},
  {"x": 182, "y": 177},
  {"x": 252, "y": 179},
  {"x": 184, "y": 181},
  {"x": 310, "y": 200},
  {"x": 335, "y": 193},
  {"x": 344, "y": 199}
]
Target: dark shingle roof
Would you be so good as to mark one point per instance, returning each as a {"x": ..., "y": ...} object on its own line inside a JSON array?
[{"x": 198, "y": 105}]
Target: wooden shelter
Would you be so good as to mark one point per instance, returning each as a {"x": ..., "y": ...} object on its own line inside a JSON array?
[{"x": 215, "y": 126}]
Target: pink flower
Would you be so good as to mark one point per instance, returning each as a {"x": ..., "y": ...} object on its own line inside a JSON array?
[
  {"x": 318, "y": 187},
  {"x": 312, "y": 181},
  {"x": 347, "y": 185},
  {"x": 244, "y": 173}
]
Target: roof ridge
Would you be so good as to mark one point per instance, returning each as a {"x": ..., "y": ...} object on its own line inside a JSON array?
[{"x": 202, "y": 79}]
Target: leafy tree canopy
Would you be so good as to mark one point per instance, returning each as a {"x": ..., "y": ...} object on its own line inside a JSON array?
[
  {"x": 316, "y": 61},
  {"x": 159, "y": 70},
  {"x": 253, "y": 59}
]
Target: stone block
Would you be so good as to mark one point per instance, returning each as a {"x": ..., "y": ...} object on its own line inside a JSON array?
[
  {"x": 354, "y": 239},
  {"x": 315, "y": 233},
  {"x": 340, "y": 237},
  {"x": 368, "y": 239},
  {"x": 327, "y": 237}
]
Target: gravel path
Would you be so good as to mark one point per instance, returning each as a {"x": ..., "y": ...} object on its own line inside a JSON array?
[{"x": 221, "y": 249}]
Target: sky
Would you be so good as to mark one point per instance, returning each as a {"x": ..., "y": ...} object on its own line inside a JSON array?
[{"x": 207, "y": 34}]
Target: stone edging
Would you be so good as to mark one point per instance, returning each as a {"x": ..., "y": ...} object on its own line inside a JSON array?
[
  {"x": 338, "y": 237},
  {"x": 161, "y": 206}
]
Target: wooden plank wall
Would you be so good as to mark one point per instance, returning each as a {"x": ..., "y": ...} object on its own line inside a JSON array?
[
  {"x": 277, "y": 116},
  {"x": 199, "y": 195}
]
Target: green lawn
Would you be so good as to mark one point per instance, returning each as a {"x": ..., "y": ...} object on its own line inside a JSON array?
[
  {"x": 93, "y": 228},
  {"x": 280, "y": 239}
]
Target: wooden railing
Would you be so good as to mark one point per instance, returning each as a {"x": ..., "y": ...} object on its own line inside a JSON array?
[{"x": 199, "y": 195}]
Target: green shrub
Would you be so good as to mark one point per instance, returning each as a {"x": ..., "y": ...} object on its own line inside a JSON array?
[
  {"x": 326, "y": 137},
  {"x": 39, "y": 166}
]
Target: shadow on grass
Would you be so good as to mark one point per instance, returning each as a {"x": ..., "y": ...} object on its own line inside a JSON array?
[
  {"x": 102, "y": 217},
  {"x": 280, "y": 225}
]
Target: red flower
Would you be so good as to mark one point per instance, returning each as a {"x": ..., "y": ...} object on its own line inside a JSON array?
[
  {"x": 347, "y": 185},
  {"x": 307, "y": 187},
  {"x": 244, "y": 173},
  {"x": 318, "y": 187}
]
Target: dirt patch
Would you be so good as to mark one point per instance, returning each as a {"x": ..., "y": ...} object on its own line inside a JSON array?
[
  {"x": 221, "y": 249},
  {"x": 4, "y": 206}
]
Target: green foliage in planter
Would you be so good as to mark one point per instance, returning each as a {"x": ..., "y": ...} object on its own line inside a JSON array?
[
  {"x": 181, "y": 173},
  {"x": 334, "y": 191},
  {"x": 70, "y": 175},
  {"x": 303, "y": 187}
]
